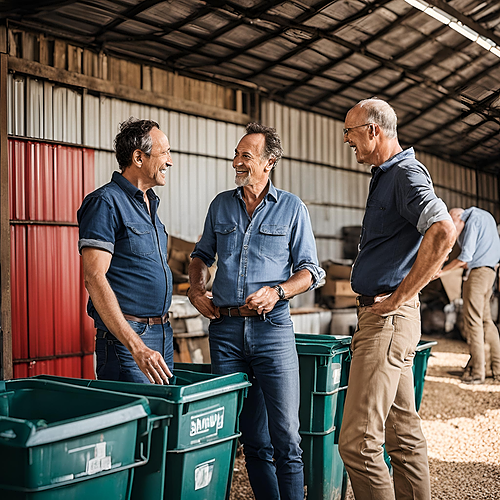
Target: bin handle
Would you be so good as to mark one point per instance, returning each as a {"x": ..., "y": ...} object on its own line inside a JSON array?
[{"x": 144, "y": 440}]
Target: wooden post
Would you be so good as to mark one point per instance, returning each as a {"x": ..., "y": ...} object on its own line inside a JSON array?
[{"x": 6, "y": 318}]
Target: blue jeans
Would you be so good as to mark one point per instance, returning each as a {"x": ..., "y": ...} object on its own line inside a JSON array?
[
  {"x": 269, "y": 421},
  {"x": 114, "y": 361}
]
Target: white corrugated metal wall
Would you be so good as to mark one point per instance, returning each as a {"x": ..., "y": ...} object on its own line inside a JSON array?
[
  {"x": 323, "y": 171},
  {"x": 317, "y": 166},
  {"x": 202, "y": 148}
]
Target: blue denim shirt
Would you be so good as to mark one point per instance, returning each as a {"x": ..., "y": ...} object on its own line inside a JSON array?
[
  {"x": 262, "y": 250},
  {"x": 479, "y": 240},
  {"x": 401, "y": 206},
  {"x": 115, "y": 218}
]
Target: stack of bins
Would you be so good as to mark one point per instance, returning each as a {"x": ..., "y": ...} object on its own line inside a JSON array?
[
  {"x": 202, "y": 438},
  {"x": 59, "y": 441},
  {"x": 323, "y": 361}
]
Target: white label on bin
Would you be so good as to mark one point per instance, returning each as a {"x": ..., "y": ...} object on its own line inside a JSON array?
[
  {"x": 100, "y": 461},
  {"x": 203, "y": 474},
  {"x": 100, "y": 450},
  {"x": 336, "y": 373},
  {"x": 207, "y": 424},
  {"x": 94, "y": 466}
]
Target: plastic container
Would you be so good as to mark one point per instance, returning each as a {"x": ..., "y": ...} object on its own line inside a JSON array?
[
  {"x": 326, "y": 474},
  {"x": 59, "y": 441},
  {"x": 202, "y": 437},
  {"x": 422, "y": 355},
  {"x": 324, "y": 371}
]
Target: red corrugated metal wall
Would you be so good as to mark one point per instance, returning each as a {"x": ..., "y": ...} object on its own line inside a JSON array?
[{"x": 51, "y": 332}]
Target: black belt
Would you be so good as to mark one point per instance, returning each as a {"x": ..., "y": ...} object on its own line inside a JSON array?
[
  {"x": 364, "y": 301},
  {"x": 156, "y": 320}
]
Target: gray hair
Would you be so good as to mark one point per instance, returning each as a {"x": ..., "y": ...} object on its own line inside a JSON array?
[
  {"x": 380, "y": 112},
  {"x": 134, "y": 134},
  {"x": 272, "y": 146}
]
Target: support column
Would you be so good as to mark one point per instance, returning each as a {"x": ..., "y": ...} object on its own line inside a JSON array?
[{"x": 6, "y": 318}]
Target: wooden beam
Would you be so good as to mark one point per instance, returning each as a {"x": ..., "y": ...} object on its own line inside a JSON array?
[
  {"x": 6, "y": 318},
  {"x": 115, "y": 89}
]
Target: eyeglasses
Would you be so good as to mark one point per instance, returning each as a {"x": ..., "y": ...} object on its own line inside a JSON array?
[{"x": 346, "y": 130}]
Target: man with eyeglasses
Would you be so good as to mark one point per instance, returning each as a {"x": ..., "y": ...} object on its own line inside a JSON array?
[
  {"x": 406, "y": 235},
  {"x": 123, "y": 245}
]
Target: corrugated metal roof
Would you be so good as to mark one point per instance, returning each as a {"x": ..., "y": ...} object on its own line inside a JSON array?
[{"x": 318, "y": 55}]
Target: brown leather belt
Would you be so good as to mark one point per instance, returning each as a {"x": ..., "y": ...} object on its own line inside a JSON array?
[
  {"x": 157, "y": 320},
  {"x": 241, "y": 311}
]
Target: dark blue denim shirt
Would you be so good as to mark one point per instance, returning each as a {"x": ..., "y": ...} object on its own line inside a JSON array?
[
  {"x": 401, "y": 206},
  {"x": 262, "y": 250},
  {"x": 115, "y": 218}
]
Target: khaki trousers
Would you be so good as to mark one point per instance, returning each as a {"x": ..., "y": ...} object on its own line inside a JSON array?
[
  {"x": 380, "y": 408},
  {"x": 478, "y": 325}
]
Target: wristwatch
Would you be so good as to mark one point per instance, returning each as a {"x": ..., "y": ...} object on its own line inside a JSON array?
[{"x": 280, "y": 292}]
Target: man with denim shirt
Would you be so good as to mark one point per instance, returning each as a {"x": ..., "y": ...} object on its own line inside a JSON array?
[
  {"x": 406, "y": 235},
  {"x": 124, "y": 249},
  {"x": 266, "y": 255},
  {"x": 480, "y": 253}
]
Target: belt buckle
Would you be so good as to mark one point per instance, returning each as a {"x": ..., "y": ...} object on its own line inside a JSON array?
[
  {"x": 358, "y": 301},
  {"x": 150, "y": 321},
  {"x": 229, "y": 311}
]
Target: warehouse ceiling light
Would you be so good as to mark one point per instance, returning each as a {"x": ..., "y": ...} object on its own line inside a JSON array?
[{"x": 459, "y": 27}]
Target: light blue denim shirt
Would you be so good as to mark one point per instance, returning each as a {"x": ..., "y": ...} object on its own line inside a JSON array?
[
  {"x": 479, "y": 240},
  {"x": 262, "y": 250}
]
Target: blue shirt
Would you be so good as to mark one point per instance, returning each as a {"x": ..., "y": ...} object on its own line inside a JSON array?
[
  {"x": 401, "y": 206},
  {"x": 262, "y": 250},
  {"x": 115, "y": 219},
  {"x": 479, "y": 239}
]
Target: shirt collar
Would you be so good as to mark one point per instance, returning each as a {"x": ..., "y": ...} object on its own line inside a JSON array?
[
  {"x": 271, "y": 193},
  {"x": 402, "y": 155},
  {"x": 130, "y": 189}
]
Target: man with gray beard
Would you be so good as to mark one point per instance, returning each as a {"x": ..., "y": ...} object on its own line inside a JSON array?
[{"x": 266, "y": 255}]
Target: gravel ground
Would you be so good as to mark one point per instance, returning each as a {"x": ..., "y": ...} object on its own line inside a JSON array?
[{"x": 462, "y": 427}]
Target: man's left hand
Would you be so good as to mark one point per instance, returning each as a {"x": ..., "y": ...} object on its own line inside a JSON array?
[{"x": 263, "y": 300}]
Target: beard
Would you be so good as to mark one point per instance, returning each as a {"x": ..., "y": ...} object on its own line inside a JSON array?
[{"x": 242, "y": 181}]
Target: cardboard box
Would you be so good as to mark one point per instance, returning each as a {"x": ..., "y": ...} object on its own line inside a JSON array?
[
  {"x": 337, "y": 271},
  {"x": 335, "y": 287}
]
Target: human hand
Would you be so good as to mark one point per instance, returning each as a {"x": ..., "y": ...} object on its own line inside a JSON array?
[
  {"x": 263, "y": 300},
  {"x": 203, "y": 302},
  {"x": 152, "y": 364},
  {"x": 383, "y": 306}
]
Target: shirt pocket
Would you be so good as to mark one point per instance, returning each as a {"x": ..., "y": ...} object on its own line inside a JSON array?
[
  {"x": 273, "y": 240},
  {"x": 140, "y": 237},
  {"x": 226, "y": 238},
  {"x": 376, "y": 213}
]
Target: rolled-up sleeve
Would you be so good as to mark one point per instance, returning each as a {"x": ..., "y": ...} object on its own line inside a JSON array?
[
  {"x": 303, "y": 248},
  {"x": 416, "y": 200},
  {"x": 97, "y": 224},
  {"x": 434, "y": 211}
]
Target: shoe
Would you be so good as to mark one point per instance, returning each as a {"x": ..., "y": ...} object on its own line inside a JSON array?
[{"x": 469, "y": 379}]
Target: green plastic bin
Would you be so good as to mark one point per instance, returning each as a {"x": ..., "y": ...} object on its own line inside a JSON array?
[
  {"x": 203, "y": 432},
  {"x": 324, "y": 371},
  {"x": 59, "y": 441},
  {"x": 422, "y": 355},
  {"x": 323, "y": 381}
]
